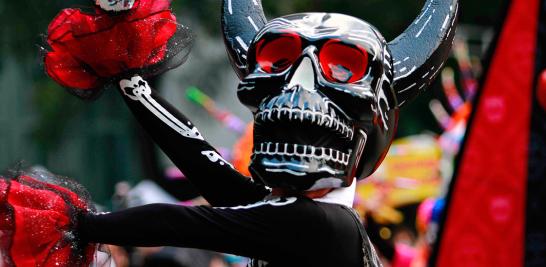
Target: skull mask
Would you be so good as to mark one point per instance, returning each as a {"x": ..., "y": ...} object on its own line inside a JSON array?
[{"x": 325, "y": 89}]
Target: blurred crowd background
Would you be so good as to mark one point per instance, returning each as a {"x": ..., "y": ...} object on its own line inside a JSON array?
[{"x": 100, "y": 144}]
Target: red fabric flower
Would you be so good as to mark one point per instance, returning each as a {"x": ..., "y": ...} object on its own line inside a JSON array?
[
  {"x": 88, "y": 50},
  {"x": 36, "y": 224}
]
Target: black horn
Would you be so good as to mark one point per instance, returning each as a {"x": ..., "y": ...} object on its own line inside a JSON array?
[
  {"x": 419, "y": 53},
  {"x": 241, "y": 20}
]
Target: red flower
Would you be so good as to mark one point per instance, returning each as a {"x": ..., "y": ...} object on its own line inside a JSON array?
[{"x": 89, "y": 50}]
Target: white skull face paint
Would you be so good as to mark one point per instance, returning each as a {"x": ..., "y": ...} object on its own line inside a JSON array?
[
  {"x": 137, "y": 89},
  {"x": 115, "y": 5}
]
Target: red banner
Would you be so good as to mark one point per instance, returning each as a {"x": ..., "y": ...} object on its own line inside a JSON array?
[{"x": 486, "y": 212}]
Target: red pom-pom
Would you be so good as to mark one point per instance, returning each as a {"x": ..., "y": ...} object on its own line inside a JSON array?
[
  {"x": 68, "y": 72},
  {"x": 89, "y": 50},
  {"x": 37, "y": 224}
]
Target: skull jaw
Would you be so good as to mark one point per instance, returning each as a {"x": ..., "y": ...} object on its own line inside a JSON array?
[
  {"x": 301, "y": 168},
  {"x": 298, "y": 173},
  {"x": 302, "y": 142}
]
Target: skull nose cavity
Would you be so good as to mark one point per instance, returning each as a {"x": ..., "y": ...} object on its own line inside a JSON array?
[{"x": 304, "y": 76}]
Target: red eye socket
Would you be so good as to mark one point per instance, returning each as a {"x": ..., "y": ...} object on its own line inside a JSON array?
[
  {"x": 274, "y": 56},
  {"x": 343, "y": 63}
]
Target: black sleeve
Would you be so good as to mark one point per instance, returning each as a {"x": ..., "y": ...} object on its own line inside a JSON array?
[
  {"x": 385, "y": 247},
  {"x": 265, "y": 230},
  {"x": 215, "y": 178}
]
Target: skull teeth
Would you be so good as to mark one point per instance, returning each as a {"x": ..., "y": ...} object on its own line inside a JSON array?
[
  {"x": 315, "y": 117},
  {"x": 319, "y": 153}
]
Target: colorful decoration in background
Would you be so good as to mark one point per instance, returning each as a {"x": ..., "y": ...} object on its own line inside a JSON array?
[
  {"x": 468, "y": 69},
  {"x": 450, "y": 89},
  {"x": 427, "y": 213},
  {"x": 242, "y": 150},
  {"x": 409, "y": 175},
  {"x": 495, "y": 208},
  {"x": 228, "y": 119},
  {"x": 454, "y": 118},
  {"x": 418, "y": 167}
]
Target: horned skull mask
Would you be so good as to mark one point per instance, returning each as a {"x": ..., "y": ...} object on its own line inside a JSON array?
[{"x": 325, "y": 88}]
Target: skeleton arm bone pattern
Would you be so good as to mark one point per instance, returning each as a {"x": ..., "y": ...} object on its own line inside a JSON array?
[
  {"x": 214, "y": 177},
  {"x": 138, "y": 89}
]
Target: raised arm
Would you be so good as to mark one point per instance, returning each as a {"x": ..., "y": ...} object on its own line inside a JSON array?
[{"x": 215, "y": 178}]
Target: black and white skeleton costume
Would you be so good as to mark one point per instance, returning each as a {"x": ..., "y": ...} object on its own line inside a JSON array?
[
  {"x": 245, "y": 219},
  {"x": 325, "y": 91}
]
